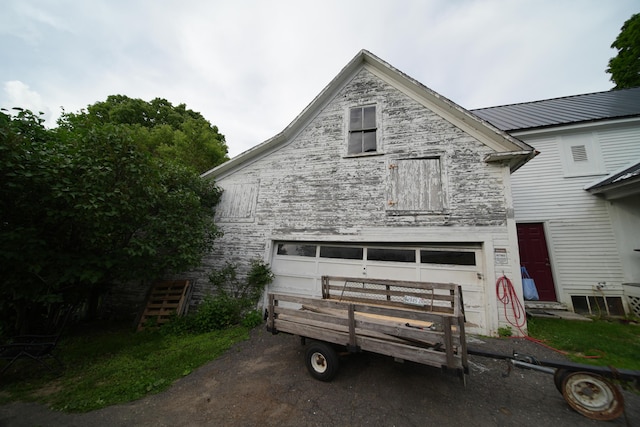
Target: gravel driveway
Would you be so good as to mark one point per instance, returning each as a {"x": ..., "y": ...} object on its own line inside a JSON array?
[{"x": 263, "y": 382}]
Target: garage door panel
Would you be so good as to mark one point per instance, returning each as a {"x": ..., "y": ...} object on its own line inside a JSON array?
[
  {"x": 297, "y": 285},
  {"x": 294, "y": 265},
  {"x": 459, "y": 277},
  {"x": 402, "y": 272},
  {"x": 337, "y": 268}
]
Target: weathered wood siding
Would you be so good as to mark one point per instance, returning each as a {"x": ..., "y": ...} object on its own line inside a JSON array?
[
  {"x": 309, "y": 189},
  {"x": 583, "y": 246}
]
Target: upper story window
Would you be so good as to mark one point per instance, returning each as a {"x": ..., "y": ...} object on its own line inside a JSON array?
[{"x": 362, "y": 130}]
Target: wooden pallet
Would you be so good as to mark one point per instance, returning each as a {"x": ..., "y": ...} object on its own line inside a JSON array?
[{"x": 166, "y": 298}]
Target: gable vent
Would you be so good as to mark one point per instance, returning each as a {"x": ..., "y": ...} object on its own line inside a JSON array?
[{"x": 579, "y": 153}]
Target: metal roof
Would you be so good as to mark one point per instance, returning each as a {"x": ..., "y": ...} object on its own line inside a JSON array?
[
  {"x": 614, "y": 104},
  {"x": 626, "y": 175}
]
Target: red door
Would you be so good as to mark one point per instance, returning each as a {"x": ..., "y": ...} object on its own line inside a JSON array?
[{"x": 535, "y": 257}]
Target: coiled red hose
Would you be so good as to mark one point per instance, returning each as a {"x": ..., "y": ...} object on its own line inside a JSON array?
[{"x": 506, "y": 294}]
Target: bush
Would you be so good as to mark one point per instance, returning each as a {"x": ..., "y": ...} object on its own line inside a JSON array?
[
  {"x": 252, "y": 319},
  {"x": 214, "y": 313},
  {"x": 234, "y": 302}
]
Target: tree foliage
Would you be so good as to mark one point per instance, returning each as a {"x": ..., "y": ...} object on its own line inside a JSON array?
[
  {"x": 88, "y": 204},
  {"x": 167, "y": 132},
  {"x": 625, "y": 66}
]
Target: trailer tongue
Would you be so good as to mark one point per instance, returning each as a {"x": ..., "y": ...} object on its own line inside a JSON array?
[{"x": 587, "y": 389}]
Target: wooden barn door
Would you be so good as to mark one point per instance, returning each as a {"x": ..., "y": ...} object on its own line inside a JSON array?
[{"x": 535, "y": 257}]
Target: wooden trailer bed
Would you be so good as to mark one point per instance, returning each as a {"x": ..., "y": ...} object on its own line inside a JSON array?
[{"x": 417, "y": 321}]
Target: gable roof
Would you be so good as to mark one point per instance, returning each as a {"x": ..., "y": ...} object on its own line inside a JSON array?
[
  {"x": 507, "y": 148},
  {"x": 591, "y": 107}
]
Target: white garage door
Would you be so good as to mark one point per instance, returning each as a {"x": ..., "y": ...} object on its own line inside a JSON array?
[{"x": 298, "y": 267}]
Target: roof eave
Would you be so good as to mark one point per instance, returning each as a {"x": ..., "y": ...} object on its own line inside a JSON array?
[{"x": 515, "y": 159}]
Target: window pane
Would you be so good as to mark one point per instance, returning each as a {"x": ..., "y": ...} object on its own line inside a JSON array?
[
  {"x": 448, "y": 257},
  {"x": 395, "y": 255},
  {"x": 369, "y": 120},
  {"x": 343, "y": 252},
  {"x": 297, "y": 250},
  {"x": 369, "y": 144},
  {"x": 355, "y": 143},
  {"x": 355, "y": 122}
]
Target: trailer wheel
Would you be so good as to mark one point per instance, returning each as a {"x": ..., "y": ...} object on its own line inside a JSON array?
[
  {"x": 592, "y": 396},
  {"x": 322, "y": 361}
]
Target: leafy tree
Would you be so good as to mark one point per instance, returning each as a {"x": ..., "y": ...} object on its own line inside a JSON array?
[
  {"x": 625, "y": 66},
  {"x": 85, "y": 205},
  {"x": 168, "y": 132}
]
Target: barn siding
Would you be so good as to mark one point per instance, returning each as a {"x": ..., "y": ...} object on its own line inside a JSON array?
[{"x": 310, "y": 190}]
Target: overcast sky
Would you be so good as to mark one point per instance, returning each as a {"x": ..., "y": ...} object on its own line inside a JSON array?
[{"x": 251, "y": 66}]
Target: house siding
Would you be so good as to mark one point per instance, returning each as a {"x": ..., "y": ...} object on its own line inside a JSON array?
[
  {"x": 581, "y": 237},
  {"x": 309, "y": 189}
]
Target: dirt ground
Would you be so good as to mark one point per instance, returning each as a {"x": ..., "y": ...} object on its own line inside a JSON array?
[{"x": 263, "y": 381}]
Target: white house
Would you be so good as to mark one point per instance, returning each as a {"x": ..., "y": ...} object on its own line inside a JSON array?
[
  {"x": 378, "y": 177},
  {"x": 577, "y": 204}
]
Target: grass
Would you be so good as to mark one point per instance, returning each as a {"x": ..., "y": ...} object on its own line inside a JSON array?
[
  {"x": 601, "y": 342},
  {"x": 114, "y": 366}
]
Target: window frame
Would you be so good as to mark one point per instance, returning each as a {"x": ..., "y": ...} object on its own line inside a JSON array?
[{"x": 375, "y": 130}]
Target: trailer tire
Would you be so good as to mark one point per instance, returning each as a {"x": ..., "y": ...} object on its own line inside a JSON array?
[
  {"x": 592, "y": 396},
  {"x": 558, "y": 378},
  {"x": 322, "y": 361}
]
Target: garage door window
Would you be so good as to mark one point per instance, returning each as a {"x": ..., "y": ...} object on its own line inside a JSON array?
[
  {"x": 448, "y": 257},
  {"x": 296, "y": 250},
  {"x": 392, "y": 255},
  {"x": 342, "y": 252}
]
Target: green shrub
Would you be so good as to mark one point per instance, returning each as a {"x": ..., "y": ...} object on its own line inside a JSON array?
[
  {"x": 214, "y": 313},
  {"x": 252, "y": 319},
  {"x": 234, "y": 302},
  {"x": 505, "y": 331}
]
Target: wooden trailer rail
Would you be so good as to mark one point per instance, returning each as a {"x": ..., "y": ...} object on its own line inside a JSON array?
[{"x": 420, "y": 322}]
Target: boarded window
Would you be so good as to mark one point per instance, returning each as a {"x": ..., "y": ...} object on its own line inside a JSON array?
[
  {"x": 238, "y": 203},
  {"x": 415, "y": 185},
  {"x": 362, "y": 130}
]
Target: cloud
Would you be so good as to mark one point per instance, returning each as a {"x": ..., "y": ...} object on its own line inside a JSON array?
[{"x": 18, "y": 94}]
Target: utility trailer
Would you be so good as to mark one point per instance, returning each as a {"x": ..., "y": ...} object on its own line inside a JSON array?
[
  {"x": 424, "y": 323},
  {"x": 416, "y": 321}
]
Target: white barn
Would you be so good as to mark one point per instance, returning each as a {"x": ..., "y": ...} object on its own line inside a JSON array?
[{"x": 378, "y": 177}]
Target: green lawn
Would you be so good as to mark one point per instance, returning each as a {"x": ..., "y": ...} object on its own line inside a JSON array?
[
  {"x": 604, "y": 343},
  {"x": 114, "y": 366}
]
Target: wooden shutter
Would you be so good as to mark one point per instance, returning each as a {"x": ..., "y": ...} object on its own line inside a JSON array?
[{"x": 415, "y": 185}]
